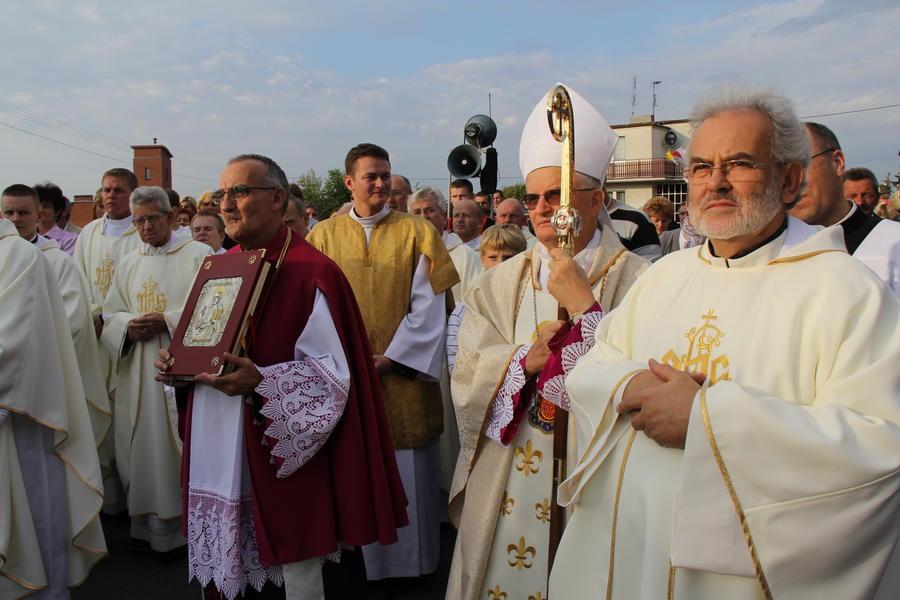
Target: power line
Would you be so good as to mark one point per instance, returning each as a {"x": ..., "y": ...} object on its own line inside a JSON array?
[
  {"x": 80, "y": 149},
  {"x": 847, "y": 112}
]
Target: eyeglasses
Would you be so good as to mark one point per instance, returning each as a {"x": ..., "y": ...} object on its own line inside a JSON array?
[
  {"x": 739, "y": 169},
  {"x": 148, "y": 220},
  {"x": 551, "y": 197},
  {"x": 822, "y": 152},
  {"x": 236, "y": 192}
]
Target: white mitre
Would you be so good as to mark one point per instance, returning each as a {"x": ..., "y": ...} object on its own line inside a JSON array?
[{"x": 595, "y": 140}]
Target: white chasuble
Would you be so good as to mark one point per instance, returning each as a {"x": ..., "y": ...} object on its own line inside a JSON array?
[
  {"x": 501, "y": 493},
  {"x": 100, "y": 246},
  {"x": 75, "y": 297},
  {"x": 148, "y": 450},
  {"x": 788, "y": 484},
  {"x": 50, "y": 482},
  {"x": 518, "y": 560}
]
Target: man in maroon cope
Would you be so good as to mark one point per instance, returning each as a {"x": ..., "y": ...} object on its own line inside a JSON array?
[{"x": 288, "y": 458}]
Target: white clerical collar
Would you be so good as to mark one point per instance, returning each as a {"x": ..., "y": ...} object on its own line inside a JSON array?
[
  {"x": 116, "y": 227},
  {"x": 451, "y": 240},
  {"x": 474, "y": 243},
  {"x": 368, "y": 223},
  {"x": 583, "y": 259},
  {"x": 172, "y": 245},
  {"x": 853, "y": 209}
]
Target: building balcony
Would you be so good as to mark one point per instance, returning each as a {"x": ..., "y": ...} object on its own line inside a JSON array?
[{"x": 644, "y": 168}]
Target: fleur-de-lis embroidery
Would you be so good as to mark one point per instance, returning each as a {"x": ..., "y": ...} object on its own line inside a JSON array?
[
  {"x": 542, "y": 511},
  {"x": 506, "y": 504},
  {"x": 537, "y": 596},
  {"x": 519, "y": 555},
  {"x": 497, "y": 594},
  {"x": 530, "y": 458}
]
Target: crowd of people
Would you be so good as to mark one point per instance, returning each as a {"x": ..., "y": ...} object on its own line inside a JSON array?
[{"x": 722, "y": 376}]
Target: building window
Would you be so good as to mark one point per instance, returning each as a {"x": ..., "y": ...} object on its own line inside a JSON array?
[
  {"x": 675, "y": 192},
  {"x": 620, "y": 149},
  {"x": 617, "y": 195},
  {"x": 147, "y": 173}
]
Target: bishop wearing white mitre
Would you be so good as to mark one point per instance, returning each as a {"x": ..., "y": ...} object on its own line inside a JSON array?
[{"x": 500, "y": 497}]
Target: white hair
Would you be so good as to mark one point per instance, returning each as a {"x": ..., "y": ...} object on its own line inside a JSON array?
[
  {"x": 789, "y": 141},
  {"x": 430, "y": 193},
  {"x": 151, "y": 194}
]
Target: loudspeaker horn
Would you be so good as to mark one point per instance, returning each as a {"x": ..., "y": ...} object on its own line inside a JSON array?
[
  {"x": 480, "y": 131},
  {"x": 464, "y": 161}
]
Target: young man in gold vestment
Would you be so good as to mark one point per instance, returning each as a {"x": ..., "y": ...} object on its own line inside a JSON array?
[{"x": 399, "y": 270}]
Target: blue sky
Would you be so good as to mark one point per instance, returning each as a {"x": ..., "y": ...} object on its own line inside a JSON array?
[{"x": 303, "y": 81}]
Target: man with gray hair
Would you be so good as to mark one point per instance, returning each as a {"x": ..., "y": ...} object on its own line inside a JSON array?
[
  {"x": 140, "y": 313},
  {"x": 740, "y": 410},
  {"x": 429, "y": 204}
]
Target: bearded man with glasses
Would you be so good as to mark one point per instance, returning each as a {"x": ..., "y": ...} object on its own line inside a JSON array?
[
  {"x": 868, "y": 238},
  {"x": 739, "y": 411}
]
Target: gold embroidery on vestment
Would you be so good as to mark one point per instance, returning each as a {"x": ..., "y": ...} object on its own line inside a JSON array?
[
  {"x": 103, "y": 275},
  {"x": 699, "y": 356},
  {"x": 528, "y": 466},
  {"x": 497, "y": 594},
  {"x": 521, "y": 559},
  {"x": 536, "y": 596},
  {"x": 542, "y": 510},
  {"x": 506, "y": 504},
  {"x": 151, "y": 299}
]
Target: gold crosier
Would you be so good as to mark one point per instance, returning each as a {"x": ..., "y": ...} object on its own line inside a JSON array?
[{"x": 566, "y": 223}]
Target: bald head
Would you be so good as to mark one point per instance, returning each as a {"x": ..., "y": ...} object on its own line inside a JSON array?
[
  {"x": 510, "y": 212},
  {"x": 466, "y": 219}
]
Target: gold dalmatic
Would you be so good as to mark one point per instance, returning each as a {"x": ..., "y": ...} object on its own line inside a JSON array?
[
  {"x": 702, "y": 341},
  {"x": 103, "y": 275},
  {"x": 151, "y": 299}
]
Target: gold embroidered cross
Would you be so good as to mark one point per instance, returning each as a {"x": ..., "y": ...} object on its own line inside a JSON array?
[
  {"x": 506, "y": 504},
  {"x": 521, "y": 560},
  {"x": 542, "y": 510},
  {"x": 528, "y": 466}
]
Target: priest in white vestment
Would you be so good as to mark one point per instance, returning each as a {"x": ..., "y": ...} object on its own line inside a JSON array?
[
  {"x": 20, "y": 205},
  {"x": 140, "y": 313},
  {"x": 50, "y": 533},
  {"x": 738, "y": 418},
  {"x": 99, "y": 248},
  {"x": 500, "y": 498}
]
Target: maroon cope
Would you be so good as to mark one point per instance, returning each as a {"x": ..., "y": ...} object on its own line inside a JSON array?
[{"x": 350, "y": 490}]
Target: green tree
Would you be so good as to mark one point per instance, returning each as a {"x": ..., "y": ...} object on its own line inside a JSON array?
[
  {"x": 516, "y": 190},
  {"x": 334, "y": 192},
  {"x": 311, "y": 185}
]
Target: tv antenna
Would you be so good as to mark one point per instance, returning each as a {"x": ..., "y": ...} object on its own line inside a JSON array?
[{"x": 653, "y": 107}]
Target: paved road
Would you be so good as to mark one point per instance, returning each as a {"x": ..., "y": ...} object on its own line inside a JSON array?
[{"x": 127, "y": 574}]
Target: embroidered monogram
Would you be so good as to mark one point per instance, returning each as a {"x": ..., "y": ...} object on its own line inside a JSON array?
[
  {"x": 103, "y": 275},
  {"x": 702, "y": 341},
  {"x": 150, "y": 299}
]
